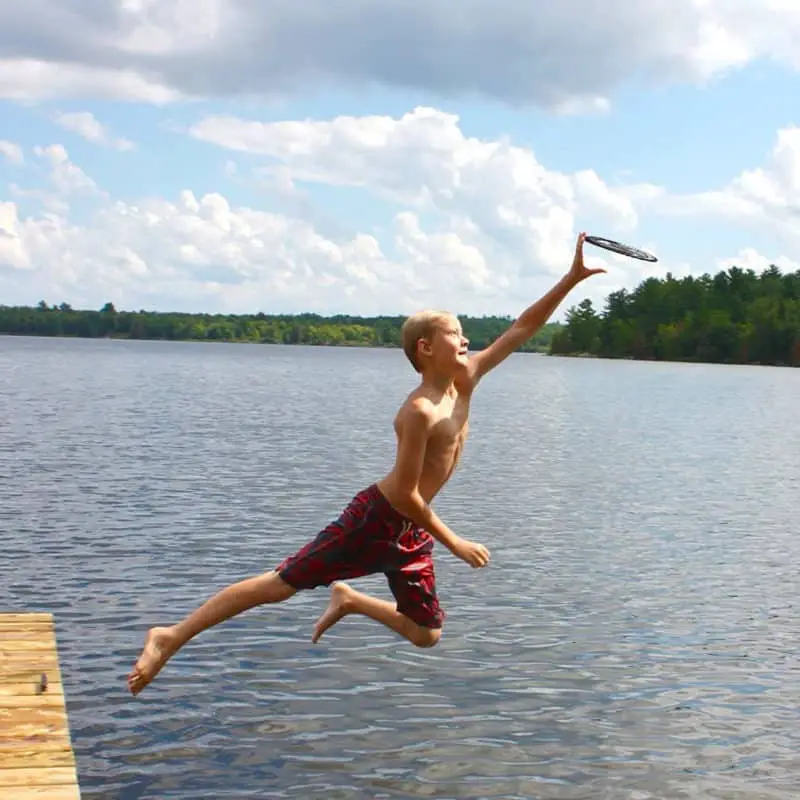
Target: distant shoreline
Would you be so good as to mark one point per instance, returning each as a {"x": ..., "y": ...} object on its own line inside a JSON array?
[
  {"x": 368, "y": 346},
  {"x": 340, "y": 345},
  {"x": 335, "y": 331}
]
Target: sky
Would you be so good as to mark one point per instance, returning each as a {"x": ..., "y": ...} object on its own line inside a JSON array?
[{"x": 382, "y": 156}]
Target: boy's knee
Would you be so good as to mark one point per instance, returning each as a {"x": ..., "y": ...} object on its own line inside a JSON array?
[{"x": 426, "y": 637}]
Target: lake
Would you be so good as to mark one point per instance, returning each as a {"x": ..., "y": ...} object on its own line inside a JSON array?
[{"x": 634, "y": 637}]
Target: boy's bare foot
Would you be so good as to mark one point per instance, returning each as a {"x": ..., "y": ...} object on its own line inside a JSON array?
[
  {"x": 158, "y": 647},
  {"x": 339, "y": 606}
]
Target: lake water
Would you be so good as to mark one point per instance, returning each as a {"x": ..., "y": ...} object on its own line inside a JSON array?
[{"x": 635, "y": 635}]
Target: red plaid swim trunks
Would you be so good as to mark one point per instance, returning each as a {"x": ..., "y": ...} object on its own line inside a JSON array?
[{"x": 371, "y": 536}]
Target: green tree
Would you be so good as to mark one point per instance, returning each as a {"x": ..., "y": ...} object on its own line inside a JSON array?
[
  {"x": 733, "y": 316},
  {"x": 338, "y": 330}
]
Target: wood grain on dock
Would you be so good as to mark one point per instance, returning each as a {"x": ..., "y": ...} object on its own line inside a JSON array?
[{"x": 36, "y": 758}]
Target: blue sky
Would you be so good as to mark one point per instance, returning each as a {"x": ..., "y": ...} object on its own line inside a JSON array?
[{"x": 430, "y": 165}]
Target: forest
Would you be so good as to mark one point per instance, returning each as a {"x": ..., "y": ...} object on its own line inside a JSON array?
[
  {"x": 735, "y": 317},
  {"x": 311, "y": 329}
]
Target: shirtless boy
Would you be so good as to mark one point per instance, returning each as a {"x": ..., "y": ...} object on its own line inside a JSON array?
[{"x": 389, "y": 527}]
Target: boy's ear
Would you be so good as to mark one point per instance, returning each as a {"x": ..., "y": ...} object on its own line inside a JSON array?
[{"x": 424, "y": 347}]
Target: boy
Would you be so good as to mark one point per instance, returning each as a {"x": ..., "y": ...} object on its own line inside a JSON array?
[{"x": 390, "y": 526}]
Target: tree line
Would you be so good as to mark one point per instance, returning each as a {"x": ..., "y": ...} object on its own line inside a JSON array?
[
  {"x": 313, "y": 329},
  {"x": 734, "y": 317}
]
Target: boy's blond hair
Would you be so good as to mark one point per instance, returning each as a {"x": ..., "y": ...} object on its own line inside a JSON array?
[{"x": 421, "y": 325}]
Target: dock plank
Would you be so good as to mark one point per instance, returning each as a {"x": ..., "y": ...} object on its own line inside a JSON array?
[
  {"x": 52, "y": 776},
  {"x": 28, "y": 684},
  {"x": 63, "y": 792},
  {"x": 36, "y": 757}
]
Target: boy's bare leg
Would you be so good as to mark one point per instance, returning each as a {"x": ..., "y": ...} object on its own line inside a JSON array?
[
  {"x": 162, "y": 643},
  {"x": 346, "y": 600}
]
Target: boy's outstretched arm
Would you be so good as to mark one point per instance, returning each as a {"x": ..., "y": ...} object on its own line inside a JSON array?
[
  {"x": 532, "y": 318},
  {"x": 414, "y": 426}
]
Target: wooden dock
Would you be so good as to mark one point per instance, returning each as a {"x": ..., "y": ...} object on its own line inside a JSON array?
[{"x": 36, "y": 758}]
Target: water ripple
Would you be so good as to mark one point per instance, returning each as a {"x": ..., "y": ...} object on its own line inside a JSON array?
[{"x": 634, "y": 637}]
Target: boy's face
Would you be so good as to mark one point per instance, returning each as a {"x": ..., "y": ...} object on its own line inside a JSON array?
[{"x": 449, "y": 348}]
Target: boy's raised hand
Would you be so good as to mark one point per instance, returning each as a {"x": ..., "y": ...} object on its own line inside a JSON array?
[{"x": 579, "y": 271}]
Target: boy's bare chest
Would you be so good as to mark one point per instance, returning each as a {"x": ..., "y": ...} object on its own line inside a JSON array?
[{"x": 451, "y": 428}]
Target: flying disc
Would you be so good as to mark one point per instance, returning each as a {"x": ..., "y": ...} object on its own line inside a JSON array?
[{"x": 622, "y": 249}]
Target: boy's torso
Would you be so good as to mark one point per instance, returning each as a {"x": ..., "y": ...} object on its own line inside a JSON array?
[
  {"x": 445, "y": 444},
  {"x": 445, "y": 441}
]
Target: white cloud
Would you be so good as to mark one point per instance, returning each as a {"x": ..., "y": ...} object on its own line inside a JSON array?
[
  {"x": 765, "y": 198},
  {"x": 66, "y": 177},
  {"x": 517, "y": 208},
  {"x": 11, "y": 151},
  {"x": 200, "y": 253},
  {"x": 749, "y": 258},
  {"x": 478, "y": 226},
  {"x": 64, "y": 181},
  {"x": 85, "y": 124},
  {"x": 561, "y": 55},
  {"x": 43, "y": 79},
  {"x": 13, "y": 251}
]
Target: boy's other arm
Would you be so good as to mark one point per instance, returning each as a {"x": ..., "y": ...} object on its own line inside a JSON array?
[
  {"x": 414, "y": 427},
  {"x": 529, "y": 322}
]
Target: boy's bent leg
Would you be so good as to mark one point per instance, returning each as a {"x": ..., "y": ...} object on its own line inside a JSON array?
[
  {"x": 417, "y": 615},
  {"x": 346, "y": 600},
  {"x": 162, "y": 643}
]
